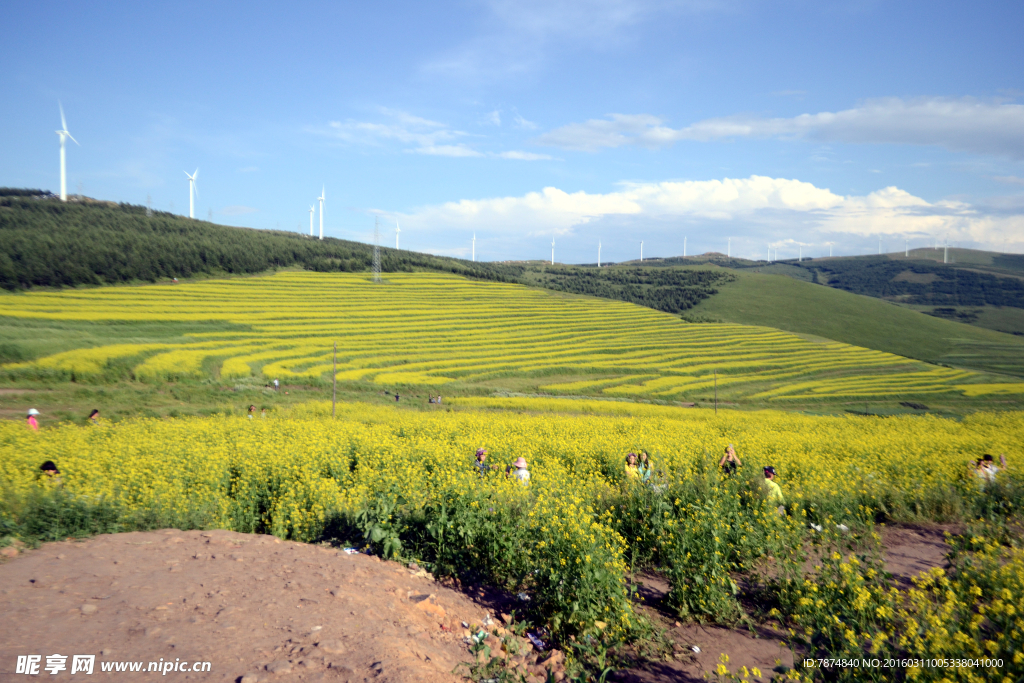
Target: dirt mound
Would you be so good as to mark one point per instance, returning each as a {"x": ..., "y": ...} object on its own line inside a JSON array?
[{"x": 256, "y": 608}]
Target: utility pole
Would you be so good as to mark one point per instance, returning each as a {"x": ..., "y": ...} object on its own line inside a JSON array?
[
  {"x": 716, "y": 391},
  {"x": 334, "y": 395}
]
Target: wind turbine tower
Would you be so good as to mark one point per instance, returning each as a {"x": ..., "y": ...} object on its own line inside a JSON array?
[
  {"x": 769, "y": 253},
  {"x": 64, "y": 135},
  {"x": 830, "y": 250},
  {"x": 397, "y": 230},
  {"x": 684, "y": 247},
  {"x": 552, "y": 251},
  {"x": 192, "y": 191},
  {"x": 321, "y": 200},
  {"x": 906, "y": 248},
  {"x": 729, "y": 249},
  {"x": 800, "y": 258},
  {"x": 312, "y": 210},
  {"x": 598, "y": 254},
  {"x": 879, "y": 246}
]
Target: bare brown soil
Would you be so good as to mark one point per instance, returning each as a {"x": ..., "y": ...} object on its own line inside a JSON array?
[{"x": 257, "y": 608}]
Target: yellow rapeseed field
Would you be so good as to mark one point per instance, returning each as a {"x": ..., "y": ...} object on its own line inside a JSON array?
[{"x": 435, "y": 331}]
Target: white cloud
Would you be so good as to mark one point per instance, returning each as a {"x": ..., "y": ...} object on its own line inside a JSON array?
[
  {"x": 424, "y": 136},
  {"x": 447, "y": 151},
  {"x": 421, "y": 136},
  {"x": 1009, "y": 179},
  {"x": 520, "y": 122},
  {"x": 524, "y": 156},
  {"x": 965, "y": 125},
  {"x": 769, "y": 208}
]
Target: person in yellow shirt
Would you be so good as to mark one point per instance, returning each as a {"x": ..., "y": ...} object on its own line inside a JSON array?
[
  {"x": 632, "y": 471},
  {"x": 775, "y": 496}
]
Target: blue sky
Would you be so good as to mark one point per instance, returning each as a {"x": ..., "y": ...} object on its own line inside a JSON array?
[{"x": 792, "y": 124}]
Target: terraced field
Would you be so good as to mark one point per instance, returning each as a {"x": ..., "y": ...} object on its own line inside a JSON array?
[{"x": 439, "y": 332}]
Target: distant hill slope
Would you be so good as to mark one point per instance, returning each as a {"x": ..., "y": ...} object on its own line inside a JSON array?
[
  {"x": 48, "y": 243},
  {"x": 797, "y": 306},
  {"x": 979, "y": 288}
]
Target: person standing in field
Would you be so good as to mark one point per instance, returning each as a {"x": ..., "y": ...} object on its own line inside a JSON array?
[
  {"x": 252, "y": 411},
  {"x": 643, "y": 465},
  {"x": 31, "y": 420},
  {"x": 775, "y": 496},
  {"x": 94, "y": 417},
  {"x": 522, "y": 471},
  {"x": 632, "y": 471},
  {"x": 987, "y": 469},
  {"x": 277, "y": 385},
  {"x": 481, "y": 462},
  {"x": 50, "y": 473},
  {"x": 730, "y": 461}
]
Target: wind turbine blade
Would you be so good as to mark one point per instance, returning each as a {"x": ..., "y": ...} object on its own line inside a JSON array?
[
  {"x": 195, "y": 174},
  {"x": 72, "y": 139},
  {"x": 63, "y": 123}
]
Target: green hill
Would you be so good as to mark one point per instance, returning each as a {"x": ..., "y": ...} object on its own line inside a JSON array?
[
  {"x": 48, "y": 243},
  {"x": 806, "y": 308},
  {"x": 980, "y": 288}
]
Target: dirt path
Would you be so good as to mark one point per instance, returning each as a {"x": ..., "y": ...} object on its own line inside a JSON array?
[{"x": 256, "y": 608}]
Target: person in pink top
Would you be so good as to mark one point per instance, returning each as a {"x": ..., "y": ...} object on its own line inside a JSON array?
[{"x": 31, "y": 420}]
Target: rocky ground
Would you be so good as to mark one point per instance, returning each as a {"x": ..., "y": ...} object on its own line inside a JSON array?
[{"x": 260, "y": 609}]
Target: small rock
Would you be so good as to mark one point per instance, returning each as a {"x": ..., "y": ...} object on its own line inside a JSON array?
[
  {"x": 88, "y": 609},
  {"x": 106, "y": 652},
  {"x": 431, "y": 608},
  {"x": 335, "y": 647},
  {"x": 413, "y": 566},
  {"x": 249, "y": 678},
  {"x": 153, "y": 630},
  {"x": 61, "y": 556},
  {"x": 281, "y": 666}
]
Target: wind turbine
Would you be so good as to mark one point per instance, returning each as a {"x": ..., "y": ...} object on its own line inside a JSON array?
[
  {"x": 64, "y": 134},
  {"x": 598, "y": 254},
  {"x": 684, "y": 247},
  {"x": 321, "y": 200},
  {"x": 729, "y": 251},
  {"x": 312, "y": 210},
  {"x": 193, "y": 191},
  {"x": 552, "y": 251},
  {"x": 397, "y": 230}
]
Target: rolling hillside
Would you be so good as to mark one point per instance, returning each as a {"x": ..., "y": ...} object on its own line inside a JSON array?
[
  {"x": 805, "y": 308},
  {"x": 425, "y": 331}
]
